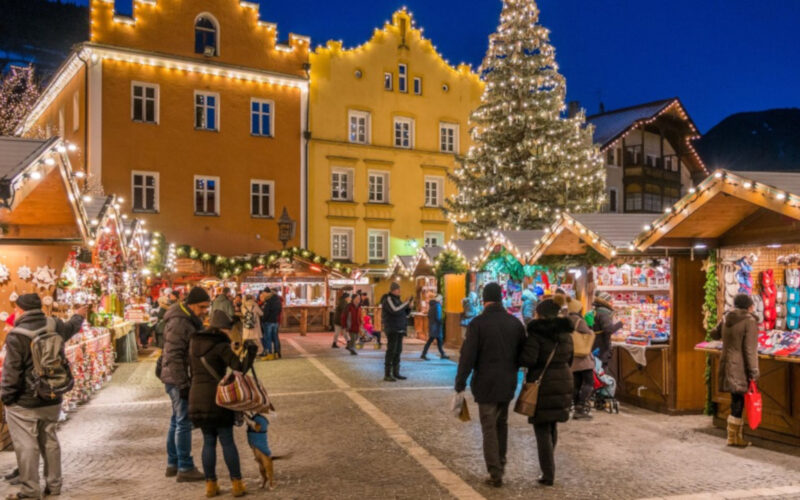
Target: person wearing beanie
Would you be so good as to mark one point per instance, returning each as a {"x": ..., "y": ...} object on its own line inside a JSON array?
[
  {"x": 394, "y": 315},
  {"x": 183, "y": 320},
  {"x": 547, "y": 354},
  {"x": 738, "y": 365},
  {"x": 582, "y": 367},
  {"x": 32, "y": 421},
  {"x": 604, "y": 326},
  {"x": 490, "y": 351},
  {"x": 210, "y": 356}
]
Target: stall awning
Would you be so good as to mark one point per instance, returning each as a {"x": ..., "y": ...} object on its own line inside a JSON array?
[{"x": 721, "y": 202}]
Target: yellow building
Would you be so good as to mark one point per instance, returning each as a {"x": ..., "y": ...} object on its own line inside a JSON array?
[
  {"x": 387, "y": 122},
  {"x": 193, "y": 112}
]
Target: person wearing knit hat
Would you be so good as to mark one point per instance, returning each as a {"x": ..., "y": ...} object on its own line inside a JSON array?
[
  {"x": 604, "y": 325},
  {"x": 489, "y": 353},
  {"x": 582, "y": 366},
  {"x": 182, "y": 322}
]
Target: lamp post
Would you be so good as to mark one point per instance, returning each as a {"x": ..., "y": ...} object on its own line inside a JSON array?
[{"x": 286, "y": 227}]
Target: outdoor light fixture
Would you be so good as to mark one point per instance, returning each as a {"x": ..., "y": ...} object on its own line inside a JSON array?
[{"x": 286, "y": 227}]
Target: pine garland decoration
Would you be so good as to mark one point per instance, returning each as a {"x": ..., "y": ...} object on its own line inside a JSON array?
[{"x": 710, "y": 320}]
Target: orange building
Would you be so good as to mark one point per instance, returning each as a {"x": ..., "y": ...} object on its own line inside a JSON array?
[{"x": 193, "y": 112}]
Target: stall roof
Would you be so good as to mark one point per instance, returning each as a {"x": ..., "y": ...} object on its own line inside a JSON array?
[
  {"x": 425, "y": 256},
  {"x": 721, "y": 202},
  {"x": 522, "y": 241},
  {"x": 469, "y": 250},
  {"x": 401, "y": 264},
  {"x": 18, "y": 154}
]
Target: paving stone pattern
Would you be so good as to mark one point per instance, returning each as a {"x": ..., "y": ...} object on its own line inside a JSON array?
[{"x": 113, "y": 447}]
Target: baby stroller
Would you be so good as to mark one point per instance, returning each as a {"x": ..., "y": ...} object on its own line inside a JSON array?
[{"x": 604, "y": 389}]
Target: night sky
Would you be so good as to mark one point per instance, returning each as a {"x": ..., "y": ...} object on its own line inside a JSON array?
[{"x": 719, "y": 56}]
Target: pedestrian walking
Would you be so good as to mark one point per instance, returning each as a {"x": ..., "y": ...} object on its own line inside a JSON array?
[
  {"x": 223, "y": 302},
  {"x": 604, "y": 326},
  {"x": 183, "y": 320},
  {"x": 32, "y": 419},
  {"x": 548, "y": 349},
  {"x": 338, "y": 313},
  {"x": 251, "y": 322},
  {"x": 272, "y": 315},
  {"x": 582, "y": 367},
  {"x": 738, "y": 365},
  {"x": 435, "y": 328},
  {"x": 211, "y": 356},
  {"x": 352, "y": 323},
  {"x": 529, "y": 301},
  {"x": 394, "y": 316},
  {"x": 490, "y": 351}
]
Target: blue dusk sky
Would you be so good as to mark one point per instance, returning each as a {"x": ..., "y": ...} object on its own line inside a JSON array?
[{"x": 719, "y": 56}]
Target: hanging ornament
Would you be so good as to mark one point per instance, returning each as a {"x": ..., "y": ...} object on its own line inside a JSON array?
[
  {"x": 44, "y": 277},
  {"x": 5, "y": 274},
  {"x": 24, "y": 273}
]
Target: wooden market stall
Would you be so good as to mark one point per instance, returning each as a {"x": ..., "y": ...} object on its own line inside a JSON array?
[
  {"x": 654, "y": 293},
  {"x": 423, "y": 274},
  {"x": 750, "y": 221}
]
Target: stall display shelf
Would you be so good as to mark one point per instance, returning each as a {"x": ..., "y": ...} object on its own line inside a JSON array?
[
  {"x": 641, "y": 289},
  {"x": 771, "y": 357}
]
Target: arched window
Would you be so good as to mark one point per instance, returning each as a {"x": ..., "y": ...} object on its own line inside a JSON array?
[{"x": 205, "y": 36}]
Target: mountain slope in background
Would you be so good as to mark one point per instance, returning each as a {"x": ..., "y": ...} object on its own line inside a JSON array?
[
  {"x": 40, "y": 32},
  {"x": 763, "y": 140}
]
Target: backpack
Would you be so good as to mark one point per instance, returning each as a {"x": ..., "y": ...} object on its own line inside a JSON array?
[
  {"x": 249, "y": 319},
  {"x": 51, "y": 373}
]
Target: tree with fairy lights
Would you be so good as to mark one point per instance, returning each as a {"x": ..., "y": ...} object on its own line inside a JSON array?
[
  {"x": 18, "y": 94},
  {"x": 528, "y": 162}
]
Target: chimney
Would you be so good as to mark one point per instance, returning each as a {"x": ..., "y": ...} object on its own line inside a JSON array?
[
  {"x": 574, "y": 107},
  {"x": 602, "y": 107}
]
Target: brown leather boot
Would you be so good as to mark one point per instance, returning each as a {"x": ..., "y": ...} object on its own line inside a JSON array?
[
  {"x": 212, "y": 488},
  {"x": 736, "y": 432},
  {"x": 238, "y": 487}
]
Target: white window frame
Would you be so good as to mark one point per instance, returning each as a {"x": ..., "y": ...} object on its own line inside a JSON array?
[
  {"x": 390, "y": 81},
  {"x": 402, "y": 78},
  {"x": 271, "y": 208},
  {"x": 156, "y": 194},
  {"x": 156, "y": 103},
  {"x": 217, "y": 108},
  {"x": 438, "y": 235},
  {"x": 448, "y": 126},
  {"x": 439, "y": 181},
  {"x": 374, "y": 258},
  {"x": 338, "y": 231},
  {"x": 260, "y": 113},
  {"x": 350, "y": 177},
  {"x": 358, "y": 115},
  {"x": 417, "y": 85},
  {"x": 403, "y": 120},
  {"x": 384, "y": 193},
  {"x": 76, "y": 112},
  {"x": 217, "y": 191}
]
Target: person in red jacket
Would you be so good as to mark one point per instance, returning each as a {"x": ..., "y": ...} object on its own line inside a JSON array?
[{"x": 352, "y": 322}]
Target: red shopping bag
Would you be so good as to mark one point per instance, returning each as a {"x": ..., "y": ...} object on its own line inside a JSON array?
[{"x": 753, "y": 406}]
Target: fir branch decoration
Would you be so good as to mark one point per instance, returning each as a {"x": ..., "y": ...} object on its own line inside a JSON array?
[{"x": 710, "y": 319}]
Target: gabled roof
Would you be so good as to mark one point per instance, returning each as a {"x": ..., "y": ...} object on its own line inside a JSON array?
[
  {"x": 611, "y": 125},
  {"x": 425, "y": 260},
  {"x": 469, "y": 250},
  {"x": 620, "y": 230},
  {"x": 522, "y": 241},
  {"x": 18, "y": 154},
  {"x": 401, "y": 265}
]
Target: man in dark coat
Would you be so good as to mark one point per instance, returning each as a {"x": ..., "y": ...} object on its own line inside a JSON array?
[
  {"x": 31, "y": 420},
  {"x": 271, "y": 321},
  {"x": 183, "y": 320},
  {"x": 490, "y": 351},
  {"x": 604, "y": 326},
  {"x": 549, "y": 338},
  {"x": 394, "y": 315}
]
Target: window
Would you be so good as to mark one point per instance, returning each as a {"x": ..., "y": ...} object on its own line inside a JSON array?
[
  {"x": 612, "y": 200},
  {"x": 403, "y": 133},
  {"x": 206, "y": 116},
  {"x": 434, "y": 239},
  {"x": 342, "y": 185},
  {"x": 144, "y": 102},
  {"x": 341, "y": 243},
  {"x": 262, "y": 117},
  {"x": 402, "y": 78},
  {"x": 652, "y": 198},
  {"x": 651, "y": 161},
  {"x": 262, "y": 198},
  {"x": 418, "y": 86},
  {"x": 76, "y": 112},
  {"x": 206, "y": 195},
  {"x": 388, "y": 81},
  {"x": 633, "y": 198},
  {"x": 144, "y": 186},
  {"x": 378, "y": 187},
  {"x": 205, "y": 36},
  {"x": 62, "y": 127},
  {"x": 377, "y": 246},
  {"x": 448, "y": 137},
  {"x": 359, "y": 127},
  {"x": 434, "y": 191}
]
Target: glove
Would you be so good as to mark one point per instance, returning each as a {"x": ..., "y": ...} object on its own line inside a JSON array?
[{"x": 185, "y": 393}]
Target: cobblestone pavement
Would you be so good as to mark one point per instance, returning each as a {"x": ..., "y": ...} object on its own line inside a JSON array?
[{"x": 351, "y": 436}]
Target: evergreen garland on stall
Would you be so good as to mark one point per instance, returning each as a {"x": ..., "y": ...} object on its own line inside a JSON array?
[
  {"x": 710, "y": 320},
  {"x": 529, "y": 163},
  {"x": 448, "y": 262}
]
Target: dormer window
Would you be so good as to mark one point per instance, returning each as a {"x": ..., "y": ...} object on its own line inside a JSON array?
[{"x": 205, "y": 36}]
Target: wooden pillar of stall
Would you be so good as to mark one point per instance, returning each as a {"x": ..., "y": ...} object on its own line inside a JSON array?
[{"x": 455, "y": 291}]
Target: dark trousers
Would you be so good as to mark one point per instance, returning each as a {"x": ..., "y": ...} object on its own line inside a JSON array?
[
  {"x": 428, "y": 345},
  {"x": 494, "y": 425},
  {"x": 546, "y": 439},
  {"x": 584, "y": 385},
  {"x": 229, "y": 451},
  {"x": 737, "y": 405},
  {"x": 394, "y": 347}
]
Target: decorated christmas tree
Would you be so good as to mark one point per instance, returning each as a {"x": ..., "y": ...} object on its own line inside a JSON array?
[
  {"x": 18, "y": 93},
  {"x": 528, "y": 162}
]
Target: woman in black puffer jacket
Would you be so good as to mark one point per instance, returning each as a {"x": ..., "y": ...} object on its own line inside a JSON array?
[
  {"x": 548, "y": 333},
  {"x": 214, "y": 347}
]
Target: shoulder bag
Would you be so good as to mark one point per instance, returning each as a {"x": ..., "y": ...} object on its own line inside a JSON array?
[
  {"x": 529, "y": 395},
  {"x": 239, "y": 391},
  {"x": 582, "y": 342}
]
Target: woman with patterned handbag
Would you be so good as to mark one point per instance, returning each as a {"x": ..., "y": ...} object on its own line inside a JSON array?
[{"x": 211, "y": 355}]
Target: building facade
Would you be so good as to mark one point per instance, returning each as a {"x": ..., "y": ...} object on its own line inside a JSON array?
[
  {"x": 194, "y": 113},
  {"x": 388, "y": 120}
]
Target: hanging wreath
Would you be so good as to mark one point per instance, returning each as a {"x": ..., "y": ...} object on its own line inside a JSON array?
[
  {"x": 5, "y": 274},
  {"x": 44, "y": 277}
]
